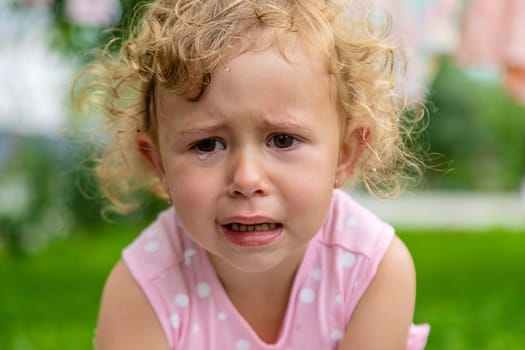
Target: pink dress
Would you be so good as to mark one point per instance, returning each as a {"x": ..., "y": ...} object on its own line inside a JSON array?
[{"x": 196, "y": 313}]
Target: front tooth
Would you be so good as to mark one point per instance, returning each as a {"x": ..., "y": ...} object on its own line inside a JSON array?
[{"x": 250, "y": 228}]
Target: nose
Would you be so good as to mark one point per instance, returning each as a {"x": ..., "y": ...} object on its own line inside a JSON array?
[{"x": 247, "y": 175}]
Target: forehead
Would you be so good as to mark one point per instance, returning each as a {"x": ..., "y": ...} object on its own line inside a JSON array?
[
  {"x": 266, "y": 62},
  {"x": 261, "y": 77}
]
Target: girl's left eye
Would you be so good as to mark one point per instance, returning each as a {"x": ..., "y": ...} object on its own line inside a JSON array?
[{"x": 282, "y": 141}]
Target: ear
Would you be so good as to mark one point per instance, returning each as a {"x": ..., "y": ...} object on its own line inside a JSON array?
[
  {"x": 355, "y": 139},
  {"x": 148, "y": 148}
]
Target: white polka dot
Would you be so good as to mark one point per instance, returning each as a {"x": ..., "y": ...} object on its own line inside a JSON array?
[
  {"x": 336, "y": 334},
  {"x": 221, "y": 316},
  {"x": 203, "y": 289},
  {"x": 338, "y": 299},
  {"x": 347, "y": 259},
  {"x": 351, "y": 221},
  {"x": 307, "y": 295},
  {"x": 152, "y": 247},
  {"x": 195, "y": 329},
  {"x": 175, "y": 320},
  {"x": 317, "y": 274},
  {"x": 182, "y": 300},
  {"x": 242, "y": 344},
  {"x": 187, "y": 256}
]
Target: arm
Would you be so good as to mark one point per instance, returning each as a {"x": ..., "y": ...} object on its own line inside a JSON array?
[
  {"x": 126, "y": 319},
  {"x": 383, "y": 316}
]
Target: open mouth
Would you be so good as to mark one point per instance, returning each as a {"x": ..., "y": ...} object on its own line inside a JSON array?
[{"x": 256, "y": 235}]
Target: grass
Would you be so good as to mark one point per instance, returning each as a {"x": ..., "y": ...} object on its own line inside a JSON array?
[
  {"x": 471, "y": 289},
  {"x": 50, "y": 300}
]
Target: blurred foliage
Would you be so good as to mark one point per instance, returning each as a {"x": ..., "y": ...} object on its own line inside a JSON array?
[
  {"x": 478, "y": 129},
  {"x": 78, "y": 40},
  {"x": 36, "y": 192},
  {"x": 48, "y": 188},
  {"x": 47, "y": 184}
]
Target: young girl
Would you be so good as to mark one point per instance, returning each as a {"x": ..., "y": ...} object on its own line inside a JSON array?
[{"x": 247, "y": 116}]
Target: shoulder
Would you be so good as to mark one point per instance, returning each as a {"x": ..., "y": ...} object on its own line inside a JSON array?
[
  {"x": 376, "y": 270},
  {"x": 394, "y": 283},
  {"x": 133, "y": 309},
  {"x": 126, "y": 319},
  {"x": 354, "y": 228},
  {"x": 383, "y": 316},
  {"x": 158, "y": 247},
  {"x": 396, "y": 271}
]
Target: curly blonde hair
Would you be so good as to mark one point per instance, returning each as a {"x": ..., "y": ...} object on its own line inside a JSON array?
[{"x": 178, "y": 44}]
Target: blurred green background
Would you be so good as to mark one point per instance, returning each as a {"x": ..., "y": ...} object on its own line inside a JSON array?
[{"x": 56, "y": 250}]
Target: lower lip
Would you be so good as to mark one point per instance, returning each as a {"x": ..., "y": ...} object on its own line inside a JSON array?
[{"x": 253, "y": 238}]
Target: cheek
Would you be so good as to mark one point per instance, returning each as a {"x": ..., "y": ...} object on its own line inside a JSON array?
[
  {"x": 190, "y": 190},
  {"x": 319, "y": 167},
  {"x": 311, "y": 184},
  {"x": 309, "y": 209}
]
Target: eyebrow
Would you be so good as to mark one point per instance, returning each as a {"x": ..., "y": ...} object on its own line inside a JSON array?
[
  {"x": 203, "y": 128},
  {"x": 287, "y": 124}
]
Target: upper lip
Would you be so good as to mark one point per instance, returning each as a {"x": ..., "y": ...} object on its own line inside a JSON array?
[{"x": 248, "y": 220}]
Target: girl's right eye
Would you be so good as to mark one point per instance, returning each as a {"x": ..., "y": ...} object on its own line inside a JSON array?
[{"x": 208, "y": 146}]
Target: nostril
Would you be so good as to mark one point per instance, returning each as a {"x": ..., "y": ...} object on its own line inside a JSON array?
[
  {"x": 247, "y": 193},
  {"x": 247, "y": 178}
]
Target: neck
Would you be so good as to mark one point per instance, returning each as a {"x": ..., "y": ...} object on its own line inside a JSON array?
[
  {"x": 251, "y": 293},
  {"x": 276, "y": 281}
]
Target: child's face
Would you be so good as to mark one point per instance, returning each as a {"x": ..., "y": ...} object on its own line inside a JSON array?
[{"x": 250, "y": 166}]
